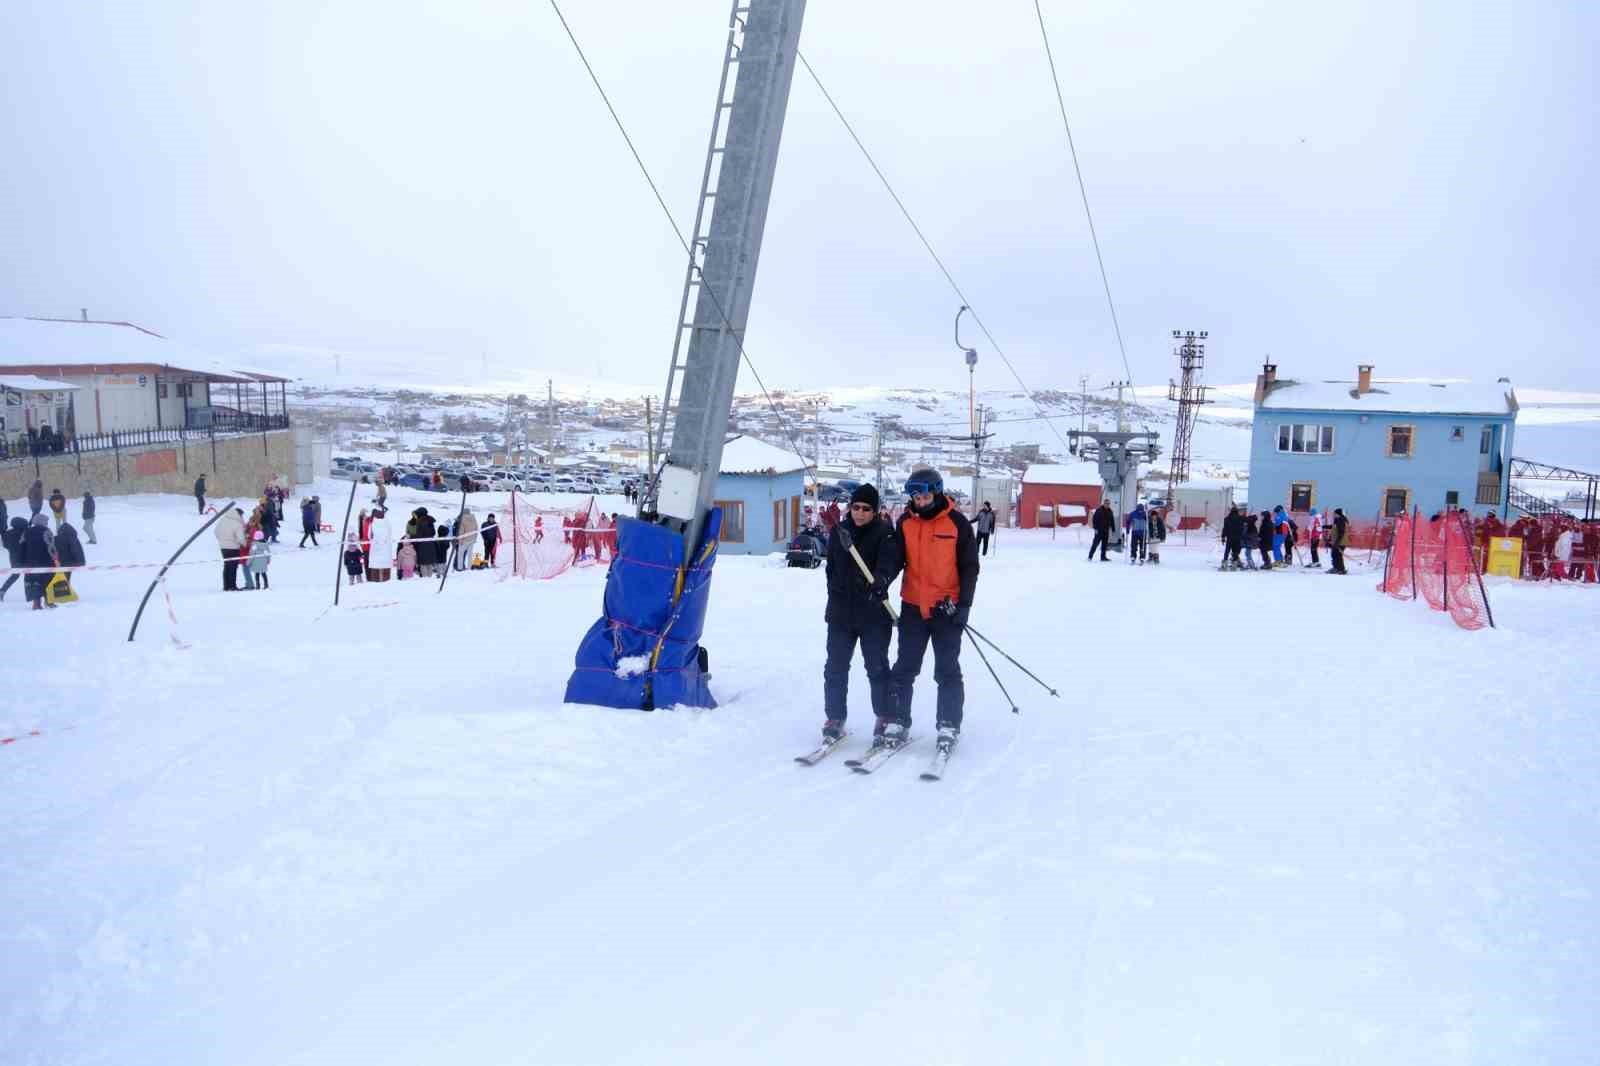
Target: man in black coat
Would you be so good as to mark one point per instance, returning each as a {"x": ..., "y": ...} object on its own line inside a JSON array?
[
  {"x": 200, "y": 493},
  {"x": 853, "y": 614},
  {"x": 1232, "y": 539},
  {"x": 1104, "y": 522},
  {"x": 1340, "y": 538}
]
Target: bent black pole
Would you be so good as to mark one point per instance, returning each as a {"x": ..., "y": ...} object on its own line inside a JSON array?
[
  {"x": 338, "y": 549},
  {"x": 1012, "y": 661},
  {"x": 185, "y": 547},
  {"x": 979, "y": 649}
]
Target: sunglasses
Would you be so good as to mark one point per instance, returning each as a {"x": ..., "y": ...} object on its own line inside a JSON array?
[{"x": 923, "y": 488}]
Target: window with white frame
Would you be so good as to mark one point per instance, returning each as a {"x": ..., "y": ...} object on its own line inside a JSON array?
[{"x": 1305, "y": 438}]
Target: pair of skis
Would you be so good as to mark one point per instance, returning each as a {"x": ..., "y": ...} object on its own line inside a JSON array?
[{"x": 877, "y": 755}]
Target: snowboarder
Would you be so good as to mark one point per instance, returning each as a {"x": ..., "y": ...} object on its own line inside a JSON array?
[
  {"x": 200, "y": 493},
  {"x": 935, "y": 547},
  {"x": 1340, "y": 537},
  {"x": 983, "y": 525},
  {"x": 855, "y": 614},
  {"x": 1139, "y": 532},
  {"x": 1105, "y": 520},
  {"x": 87, "y": 515}
]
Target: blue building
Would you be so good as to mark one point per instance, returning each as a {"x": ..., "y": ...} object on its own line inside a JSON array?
[
  {"x": 760, "y": 490},
  {"x": 1372, "y": 446}
]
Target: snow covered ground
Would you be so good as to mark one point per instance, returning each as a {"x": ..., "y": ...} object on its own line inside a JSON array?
[{"x": 1276, "y": 818}]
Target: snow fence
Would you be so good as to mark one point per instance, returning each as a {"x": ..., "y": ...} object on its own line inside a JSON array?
[{"x": 1433, "y": 560}]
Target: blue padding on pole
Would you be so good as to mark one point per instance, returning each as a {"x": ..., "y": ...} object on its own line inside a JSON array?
[{"x": 613, "y": 661}]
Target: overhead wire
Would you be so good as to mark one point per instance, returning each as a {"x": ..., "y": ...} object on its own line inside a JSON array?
[
  {"x": 673, "y": 222},
  {"x": 1083, "y": 190},
  {"x": 921, "y": 236}
]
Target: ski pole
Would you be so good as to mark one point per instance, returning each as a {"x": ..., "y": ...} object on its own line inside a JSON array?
[
  {"x": 1012, "y": 661},
  {"x": 979, "y": 649}
]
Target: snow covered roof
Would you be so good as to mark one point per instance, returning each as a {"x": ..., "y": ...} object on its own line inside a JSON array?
[
  {"x": 1393, "y": 396},
  {"x": 1079, "y": 473},
  {"x": 29, "y": 383},
  {"x": 747, "y": 455},
  {"x": 67, "y": 342}
]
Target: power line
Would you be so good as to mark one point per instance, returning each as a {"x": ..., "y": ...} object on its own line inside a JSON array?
[
  {"x": 928, "y": 245},
  {"x": 1083, "y": 190},
  {"x": 673, "y": 222}
]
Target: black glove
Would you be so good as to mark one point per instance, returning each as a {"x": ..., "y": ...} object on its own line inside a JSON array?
[
  {"x": 950, "y": 611},
  {"x": 879, "y": 589}
]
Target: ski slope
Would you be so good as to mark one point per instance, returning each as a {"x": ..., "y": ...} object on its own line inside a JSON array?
[{"x": 1276, "y": 818}]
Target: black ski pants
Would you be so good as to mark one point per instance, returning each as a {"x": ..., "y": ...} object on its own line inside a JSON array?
[
  {"x": 983, "y": 544},
  {"x": 916, "y": 633},
  {"x": 230, "y": 569},
  {"x": 1136, "y": 551},
  {"x": 842, "y": 639},
  {"x": 1230, "y": 550},
  {"x": 200, "y": 502},
  {"x": 1100, "y": 541},
  {"x": 1338, "y": 559},
  {"x": 1314, "y": 560},
  {"x": 310, "y": 531}
]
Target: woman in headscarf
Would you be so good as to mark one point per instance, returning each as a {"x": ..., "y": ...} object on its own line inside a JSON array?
[{"x": 39, "y": 551}]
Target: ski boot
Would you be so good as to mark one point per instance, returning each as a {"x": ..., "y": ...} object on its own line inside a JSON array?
[
  {"x": 889, "y": 733},
  {"x": 948, "y": 736},
  {"x": 833, "y": 729}
]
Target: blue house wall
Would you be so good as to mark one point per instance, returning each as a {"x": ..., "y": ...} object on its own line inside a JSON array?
[
  {"x": 1359, "y": 472},
  {"x": 756, "y": 493}
]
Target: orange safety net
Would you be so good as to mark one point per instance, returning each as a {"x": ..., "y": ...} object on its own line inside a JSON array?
[
  {"x": 546, "y": 542},
  {"x": 1434, "y": 558}
]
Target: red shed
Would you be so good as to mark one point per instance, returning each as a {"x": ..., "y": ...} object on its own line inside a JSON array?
[{"x": 1047, "y": 484}]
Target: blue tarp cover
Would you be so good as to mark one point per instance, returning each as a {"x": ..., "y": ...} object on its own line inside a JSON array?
[{"x": 613, "y": 661}]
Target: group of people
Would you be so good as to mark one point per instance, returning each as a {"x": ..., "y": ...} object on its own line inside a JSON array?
[
  {"x": 42, "y": 440},
  {"x": 1275, "y": 534},
  {"x": 31, "y": 543},
  {"x": 1554, "y": 547},
  {"x": 583, "y": 532},
  {"x": 933, "y": 548}
]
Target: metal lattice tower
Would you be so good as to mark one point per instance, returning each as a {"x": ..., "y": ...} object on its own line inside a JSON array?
[{"x": 1189, "y": 394}]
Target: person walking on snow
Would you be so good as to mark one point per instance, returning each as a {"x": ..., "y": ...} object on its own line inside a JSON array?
[
  {"x": 355, "y": 564},
  {"x": 38, "y": 552},
  {"x": 1314, "y": 534},
  {"x": 854, "y": 614},
  {"x": 1340, "y": 538},
  {"x": 229, "y": 531},
  {"x": 200, "y": 493},
  {"x": 1105, "y": 520},
  {"x": 1139, "y": 531},
  {"x": 935, "y": 547},
  {"x": 466, "y": 538},
  {"x": 13, "y": 537},
  {"x": 58, "y": 507},
  {"x": 308, "y": 522},
  {"x": 35, "y": 498},
  {"x": 490, "y": 532},
  {"x": 983, "y": 525},
  {"x": 87, "y": 515}
]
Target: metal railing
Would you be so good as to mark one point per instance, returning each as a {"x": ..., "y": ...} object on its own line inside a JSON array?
[{"x": 224, "y": 423}]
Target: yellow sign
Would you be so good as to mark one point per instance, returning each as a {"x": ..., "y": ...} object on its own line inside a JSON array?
[{"x": 1505, "y": 556}]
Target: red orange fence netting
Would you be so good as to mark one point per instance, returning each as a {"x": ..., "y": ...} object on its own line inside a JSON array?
[{"x": 1433, "y": 560}]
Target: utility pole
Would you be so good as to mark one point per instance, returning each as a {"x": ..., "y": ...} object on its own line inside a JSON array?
[
  {"x": 1122, "y": 411},
  {"x": 649, "y": 442},
  {"x": 816, "y": 439},
  {"x": 550, "y": 413},
  {"x": 877, "y": 452},
  {"x": 1190, "y": 395},
  {"x": 1083, "y": 404}
]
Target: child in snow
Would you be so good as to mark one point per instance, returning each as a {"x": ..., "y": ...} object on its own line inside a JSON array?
[
  {"x": 260, "y": 559},
  {"x": 354, "y": 563},
  {"x": 406, "y": 560}
]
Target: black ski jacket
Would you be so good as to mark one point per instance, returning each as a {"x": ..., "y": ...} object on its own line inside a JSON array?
[
  {"x": 848, "y": 601},
  {"x": 1233, "y": 527},
  {"x": 1104, "y": 520}
]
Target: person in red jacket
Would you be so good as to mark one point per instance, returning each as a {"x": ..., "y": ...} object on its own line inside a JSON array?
[{"x": 935, "y": 547}]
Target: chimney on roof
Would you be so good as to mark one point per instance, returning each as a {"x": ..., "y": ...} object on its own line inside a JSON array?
[
  {"x": 1265, "y": 380},
  {"x": 1363, "y": 378},
  {"x": 83, "y": 312}
]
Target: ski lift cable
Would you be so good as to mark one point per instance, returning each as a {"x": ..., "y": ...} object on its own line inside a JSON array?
[
  {"x": 1083, "y": 190},
  {"x": 929, "y": 246},
  {"x": 673, "y": 222}
]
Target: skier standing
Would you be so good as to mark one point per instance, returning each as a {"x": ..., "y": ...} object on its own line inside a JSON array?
[
  {"x": 983, "y": 525},
  {"x": 1232, "y": 536},
  {"x": 935, "y": 547},
  {"x": 1341, "y": 537},
  {"x": 855, "y": 614},
  {"x": 1104, "y": 522},
  {"x": 1266, "y": 534},
  {"x": 1315, "y": 526},
  {"x": 1139, "y": 531}
]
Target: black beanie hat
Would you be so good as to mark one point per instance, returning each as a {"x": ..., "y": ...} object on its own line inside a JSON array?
[{"x": 865, "y": 494}]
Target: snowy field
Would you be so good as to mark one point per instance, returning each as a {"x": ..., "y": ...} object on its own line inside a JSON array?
[{"x": 1276, "y": 819}]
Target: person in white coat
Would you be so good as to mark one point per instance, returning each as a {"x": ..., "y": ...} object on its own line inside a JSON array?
[
  {"x": 229, "y": 530},
  {"x": 1563, "y": 554},
  {"x": 380, "y": 554}
]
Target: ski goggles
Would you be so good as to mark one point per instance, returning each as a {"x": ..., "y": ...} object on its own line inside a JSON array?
[{"x": 920, "y": 488}]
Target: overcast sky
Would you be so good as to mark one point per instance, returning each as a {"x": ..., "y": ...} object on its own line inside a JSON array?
[{"x": 1408, "y": 184}]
